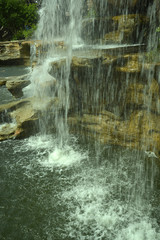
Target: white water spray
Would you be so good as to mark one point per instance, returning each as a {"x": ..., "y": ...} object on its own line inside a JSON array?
[{"x": 57, "y": 32}]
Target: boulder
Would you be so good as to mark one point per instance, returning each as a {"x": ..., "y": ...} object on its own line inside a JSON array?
[
  {"x": 17, "y": 113},
  {"x": 20, "y": 119},
  {"x": 15, "y": 87},
  {"x": 2, "y": 81},
  {"x": 15, "y": 84},
  {"x": 7, "y": 131}
]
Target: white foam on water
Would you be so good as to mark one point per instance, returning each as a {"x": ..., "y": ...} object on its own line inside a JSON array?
[
  {"x": 151, "y": 154},
  {"x": 62, "y": 157},
  {"x": 99, "y": 211},
  {"x": 99, "y": 198},
  {"x": 139, "y": 231},
  {"x": 39, "y": 142},
  {"x": 50, "y": 154}
]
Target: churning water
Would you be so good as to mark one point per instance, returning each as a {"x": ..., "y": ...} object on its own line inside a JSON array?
[
  {"x": 59, "y": 187},
  {"x": 76, "y": 192}
]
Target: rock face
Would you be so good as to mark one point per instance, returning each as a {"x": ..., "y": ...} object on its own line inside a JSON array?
[
  {"x": 128, "y": 29},
  {"x": 117, "y": 21},
  {"x": 114, "y": 92},
  {"x": 15, "y": 84},
  {"x": 117, "y": 99},
  {"x": 19, "y": 52},
  {"x": 20, "y": 119},
  {"x": 15, "y": 115},
  {"x": 131, "y": 28},
  {"x": 113, "y": 98},
  {"x": 140, "y": 131},
  {"x": 15, "y": 53}
]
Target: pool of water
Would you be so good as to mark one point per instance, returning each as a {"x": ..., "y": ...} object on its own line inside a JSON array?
[
  {"x": 83, "y": 191},
  {"x": 7, "y": 71},
  {"x": 5, "y": 95}
]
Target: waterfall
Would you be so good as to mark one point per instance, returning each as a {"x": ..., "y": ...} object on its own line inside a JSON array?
[
  {"x": 96, "y": 187},
  {"x": 57, "y": 33}
]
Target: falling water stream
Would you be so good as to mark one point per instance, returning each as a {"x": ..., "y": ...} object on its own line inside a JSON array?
[{"x": 65, "y": 187}]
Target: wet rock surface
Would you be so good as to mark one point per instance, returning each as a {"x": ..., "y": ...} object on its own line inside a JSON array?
[
  {"x": 15, "y": 84},
  {"x": 140, "y": 131},
  {"x": 114, "y": 90},
  {"x": 121, "y": 108},
  {"x": 107, "y": 107},
  {"x": 13, "y": 115},
  {"x": 15, "y": 53},
  {"x": 127, "y": 28},
  {"x": 103, "y": 106}
]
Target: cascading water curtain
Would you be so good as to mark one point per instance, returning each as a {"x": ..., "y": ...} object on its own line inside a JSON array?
[{"x": 57, "y": 32}]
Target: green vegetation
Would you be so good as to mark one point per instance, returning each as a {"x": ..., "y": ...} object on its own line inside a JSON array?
[
  {"x": 158, "y": 31},
  {"x": 17, "y": 19}
]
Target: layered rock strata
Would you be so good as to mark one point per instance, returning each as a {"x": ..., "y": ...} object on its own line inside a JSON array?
[{"x": 113, "y": 99}]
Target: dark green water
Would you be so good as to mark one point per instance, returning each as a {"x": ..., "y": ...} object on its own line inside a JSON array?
[
  {"x": 83, "y": 191},
  {"x": 7, "y": 71}
]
